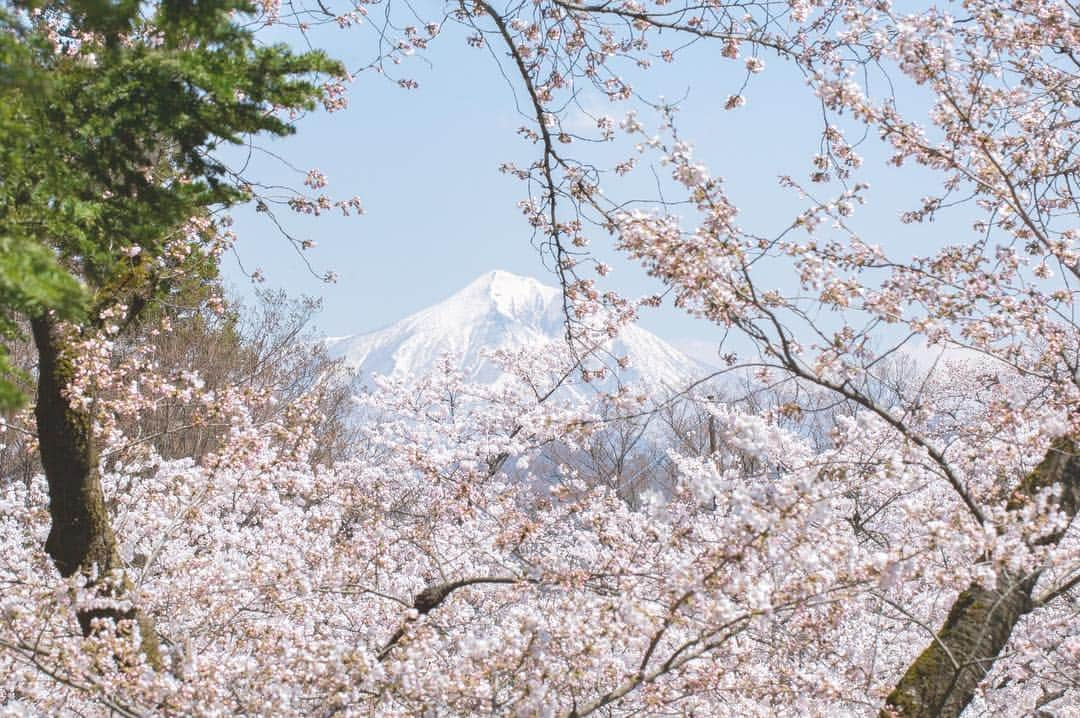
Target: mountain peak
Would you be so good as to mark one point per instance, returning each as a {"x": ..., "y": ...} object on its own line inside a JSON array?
[
  {"x": 502, "y": 278},
  {"x": 498, "y": 309},
  {"x": 508, "y": 293},
  {"x": 511, "y": 295}
]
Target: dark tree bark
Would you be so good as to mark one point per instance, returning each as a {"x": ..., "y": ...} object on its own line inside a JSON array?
[
  {"x": 943, "y": 679},
  {"x": 81, "y": 538}
]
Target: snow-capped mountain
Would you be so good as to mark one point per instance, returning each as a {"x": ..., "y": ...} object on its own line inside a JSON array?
[{"x": 505, "y": 311}]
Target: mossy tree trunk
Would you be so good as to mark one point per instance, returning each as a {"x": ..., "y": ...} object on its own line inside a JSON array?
[
  {"x": 943, "y": 679},
  {"x": 81, "y": 538}
]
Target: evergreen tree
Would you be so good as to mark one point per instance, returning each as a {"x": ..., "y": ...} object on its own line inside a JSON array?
[{"x": 111, "y": 114}]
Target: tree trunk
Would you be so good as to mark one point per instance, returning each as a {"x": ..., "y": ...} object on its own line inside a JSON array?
[
  {"x": 943, "y": 679},
  {"x": 81, "y": 537}
]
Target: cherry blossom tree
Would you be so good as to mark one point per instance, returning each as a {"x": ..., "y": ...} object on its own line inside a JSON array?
[{"x": 1000, "y": 135}]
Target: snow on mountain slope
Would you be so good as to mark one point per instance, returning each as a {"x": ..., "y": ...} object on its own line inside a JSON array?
[{"x": 505, "y": 311}]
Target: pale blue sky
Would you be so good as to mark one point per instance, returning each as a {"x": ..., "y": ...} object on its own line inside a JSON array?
[{"x": 438, "y": 212}]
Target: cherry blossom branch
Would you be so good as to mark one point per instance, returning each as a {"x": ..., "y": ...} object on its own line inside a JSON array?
[
  {"x": 432, "y": 597},
  {"x": 653, "y": 19},
  {"x": 1058, "y": 591},
  {"x": 904, "y": 428},
  {"x": 29, "y": 655},
  {"x": 933, "y": 634},
  {"x": 689, "y": 651}
]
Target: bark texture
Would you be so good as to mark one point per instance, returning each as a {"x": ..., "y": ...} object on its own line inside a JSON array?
[
  {"x": 943, "y": 679},
  {"x": 81, "y": 537}
]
